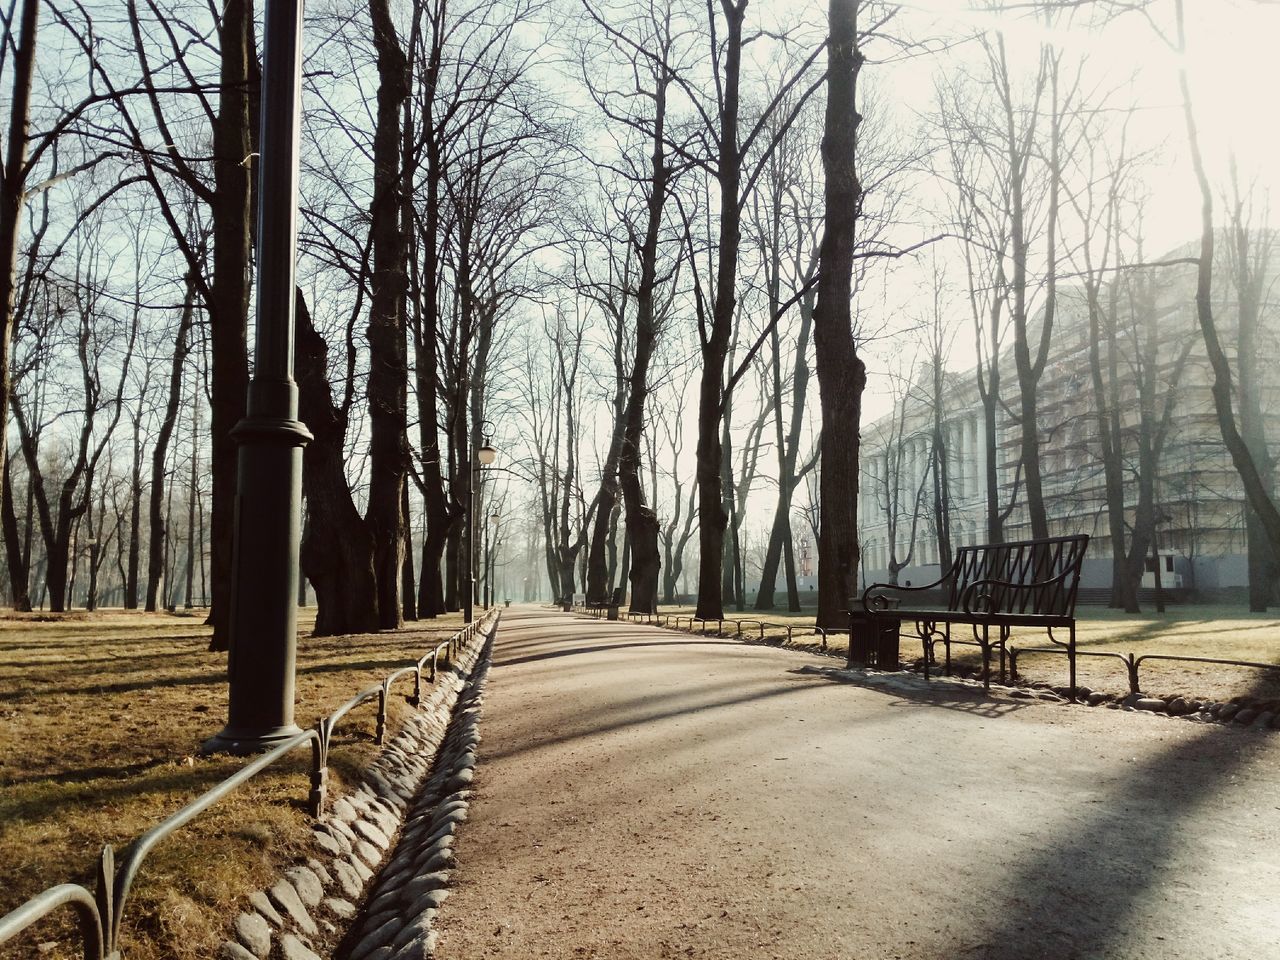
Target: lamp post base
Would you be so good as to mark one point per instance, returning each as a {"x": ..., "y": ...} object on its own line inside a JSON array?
[{"x": 242, "y": 743}]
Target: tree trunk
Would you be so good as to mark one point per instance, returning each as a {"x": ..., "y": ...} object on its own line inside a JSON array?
[
  {"x": 19, "y": 574},
  {"x": 388, "y": 362},
  {"x": 12, "y": 189},
  {"x": 135, "y": 518},
  {"x": 192, "y": 487},
  {"x": 1257, "y": 494},
  {"x": 602, "y": 558},
  {"x": 712, "y": 518},
  {"x": 841, "y": 373},
  {"x": 441, "y": 517},
  {"x": 229, "y": 306},
  {"x": 158, "y": 533},
  {"x": 1250, "y": 275},
  {"x": 337, "y": 547},
  {"x": 408, "y": 587}
]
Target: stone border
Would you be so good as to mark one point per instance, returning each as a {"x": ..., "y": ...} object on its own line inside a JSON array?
[
  {"x": 396, "y": 921},
  {"x": 314, "y": 900},
  {"x": 1238, "y": 711}
]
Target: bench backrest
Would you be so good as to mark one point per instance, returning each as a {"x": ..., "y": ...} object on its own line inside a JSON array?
[{"x": 1045, "y": 575}]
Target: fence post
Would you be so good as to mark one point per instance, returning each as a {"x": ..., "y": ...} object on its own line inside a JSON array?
[
  {"x": 382, "y": 714},
  {"x": 319, "y": 771}
]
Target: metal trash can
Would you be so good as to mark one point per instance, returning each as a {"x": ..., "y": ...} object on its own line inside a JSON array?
[{"x": 873, "y": 642}]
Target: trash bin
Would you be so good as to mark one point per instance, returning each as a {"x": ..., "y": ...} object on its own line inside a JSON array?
[{"x": 873, "y": 642}]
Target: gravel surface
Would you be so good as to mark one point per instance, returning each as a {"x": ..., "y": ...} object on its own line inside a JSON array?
[{"x": 645, "y": 794}]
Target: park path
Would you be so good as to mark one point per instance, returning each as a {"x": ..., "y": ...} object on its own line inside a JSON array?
[{"x": 643, "y": 794}]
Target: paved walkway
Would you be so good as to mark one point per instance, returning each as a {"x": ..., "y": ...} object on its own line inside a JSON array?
[{"x": 642, "y": 793}]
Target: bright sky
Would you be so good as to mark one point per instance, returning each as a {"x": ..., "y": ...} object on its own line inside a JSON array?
[{"x": 1235, "y": 81}]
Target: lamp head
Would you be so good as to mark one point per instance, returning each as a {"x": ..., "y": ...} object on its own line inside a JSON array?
[{"x": 486, "y": 454}]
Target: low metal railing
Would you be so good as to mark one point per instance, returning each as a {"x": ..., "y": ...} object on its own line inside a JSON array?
[
  {"x": 101, "y": 910},
  {"x": 1132, "y": 661}
]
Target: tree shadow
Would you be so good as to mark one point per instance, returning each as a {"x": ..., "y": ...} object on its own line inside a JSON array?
[
  {"x": 907, "y": 689},
  {"x": 1079, "y": 894},
  {"x": 645, "y": 717},
  {"x": 505, "y": 661}
]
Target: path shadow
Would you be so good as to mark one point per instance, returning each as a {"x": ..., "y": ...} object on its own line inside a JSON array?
[
  {"x": 945, "y": 694},
  {"x": 601, "y": 648},
  {"x": 647, "y": 717},
  {"x": 1079, "y": 895}
]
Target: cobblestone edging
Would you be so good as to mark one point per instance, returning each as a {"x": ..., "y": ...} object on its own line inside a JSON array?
[
  {"x": 313, "y": 901},
  {"x": 396, "y": 921},
  {"x": 1240, "y": 711}
]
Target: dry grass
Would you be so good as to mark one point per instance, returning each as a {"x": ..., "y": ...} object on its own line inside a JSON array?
[
  {"x": 100, "y": 718},
  {"x": 1223, "y": 632}
]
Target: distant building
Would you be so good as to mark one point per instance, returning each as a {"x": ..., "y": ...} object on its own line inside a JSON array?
[{"x": 1198, "y": 494}]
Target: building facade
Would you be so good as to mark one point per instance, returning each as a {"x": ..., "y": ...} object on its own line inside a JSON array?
[{"x": 1154, "y": 366}]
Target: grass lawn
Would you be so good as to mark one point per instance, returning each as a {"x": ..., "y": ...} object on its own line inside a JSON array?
[
  {"x": 1221, "y": 631},
  {"x": 100, "y": 718}
]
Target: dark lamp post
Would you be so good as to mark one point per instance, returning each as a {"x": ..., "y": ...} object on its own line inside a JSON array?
[{"x": 268, "y": 519}]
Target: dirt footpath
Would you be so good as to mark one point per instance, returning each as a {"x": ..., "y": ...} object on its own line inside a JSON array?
[{"x": 646, "y": 794}]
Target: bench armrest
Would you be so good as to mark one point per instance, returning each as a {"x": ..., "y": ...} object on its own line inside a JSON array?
[
  {"x": 880, "y": 600},
  {"x": 979, "y": 591}
]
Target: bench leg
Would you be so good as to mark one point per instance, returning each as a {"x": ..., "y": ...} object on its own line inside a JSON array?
[
  {"x": 946, "y": 643},
  {"x": 986, "y": 659},
  {"x": 1071, "y": 661},
  {"x": 928, "y": 652},
  {"x": 1004, "y": 638}
]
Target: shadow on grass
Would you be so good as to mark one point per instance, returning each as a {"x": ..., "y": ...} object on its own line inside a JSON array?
[
  {"x": 204, "y": 679},
  {"x": 178, "y": 785}
]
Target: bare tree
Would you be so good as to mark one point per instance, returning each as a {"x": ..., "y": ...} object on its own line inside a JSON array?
[{"x": 842, "y": 374}]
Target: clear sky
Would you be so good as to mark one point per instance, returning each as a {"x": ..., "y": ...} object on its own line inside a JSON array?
[{"x": 1235, "y": 80}]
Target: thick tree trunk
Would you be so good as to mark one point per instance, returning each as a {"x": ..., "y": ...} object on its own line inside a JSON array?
[
  {"x": 229, "y": 306},
  {"x": 388, "y": 362},
  {"x": 1248, "y": 282},
  {"x": 642, "y": 522},
  {"x": 441, "y": 516},
  {"x": 408, "y": 588},
  {"x": 19, "y": 573},
  {"x": 712, "y": 519},
  {"x": 602, "y": 556},
  {"x": 841, "y": 373},
  {"x": 337, "y": 547},
  {"x": 12, "y": 189},
  {"x": 58, "y": 555}
]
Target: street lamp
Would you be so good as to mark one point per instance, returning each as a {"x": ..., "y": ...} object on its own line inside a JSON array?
[
  {"x": 485, "y": 455},
  {"x": 268, "y": 523}
]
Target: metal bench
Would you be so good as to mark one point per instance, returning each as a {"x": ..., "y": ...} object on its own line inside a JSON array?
[{"x": 994, "y": 586}]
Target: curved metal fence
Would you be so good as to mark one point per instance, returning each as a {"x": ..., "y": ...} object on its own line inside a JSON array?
[
  {"x": 1132, "y": 661},
  {"x": 101, "y": 911}
]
